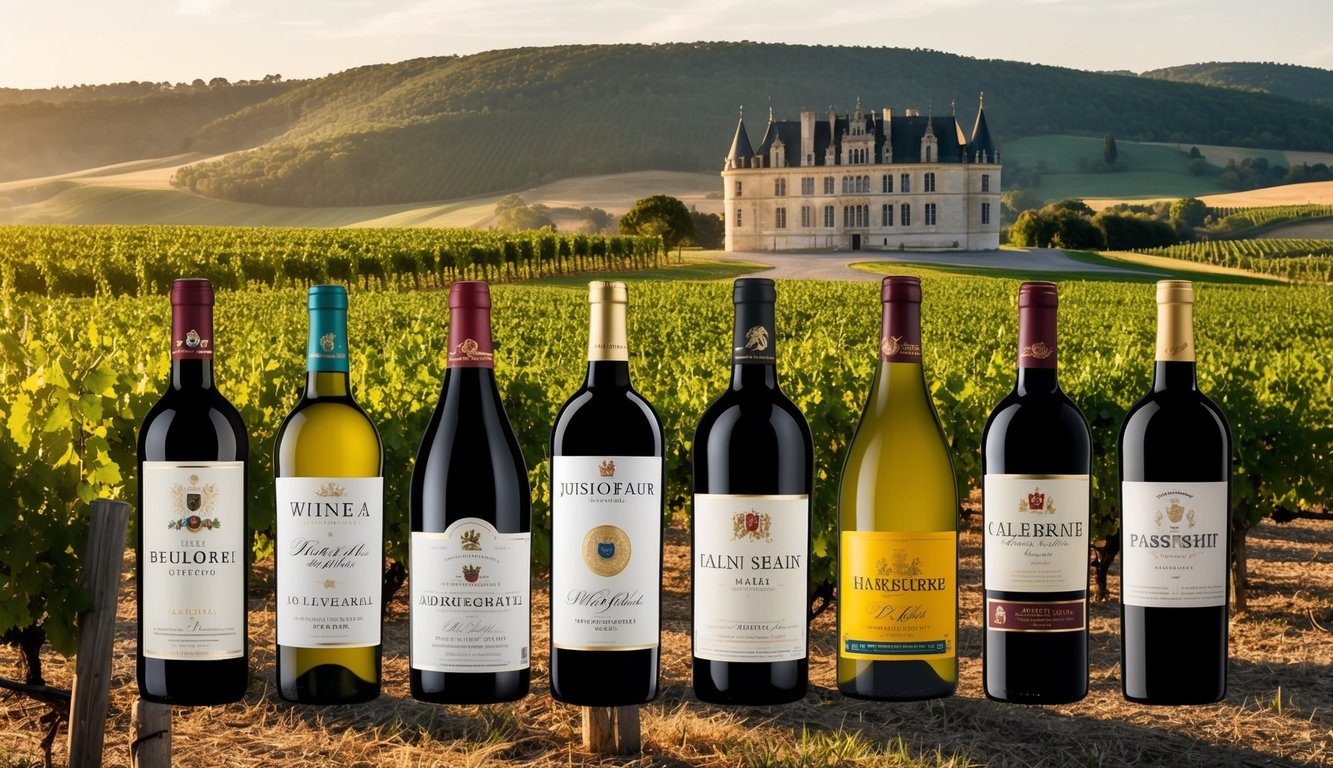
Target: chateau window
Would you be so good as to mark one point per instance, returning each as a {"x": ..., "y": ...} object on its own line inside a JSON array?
[
  {"x": 886, "y": 216},
  {"x": 828, "y": 186},
  {"x": 738, "y": 193},
  {"x": 781, "y": 218},
  {"x": 807, "y": 215},
  {"x": 906, "y": 215},
  {"x": 740, "y": 222},
  {"x": 985, "y": 211},
  {"x": 905, "y": 183},
  {"x": 886, "y": 183},
  {"x": 930, "y": 214},
  {"x": 846, "y": 216},
  {"x": 985, "y": 182},
  {"x": 808, "y": 185},
  {"x": 846, "y": 184},
  {"x": 779, "y": 187},
  {"x": 928, "y": 184},
  {"x": 828, "y": 216},
  {"x": 930, "y": 152}
]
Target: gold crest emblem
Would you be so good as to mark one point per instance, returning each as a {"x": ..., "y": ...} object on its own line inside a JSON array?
[
  {"x": 606, "y": 550},
  {"x": 890, "y": 345},
  {"x": 902, "y": 565},
  {"x": 1174, "y": 513},
  {"x": 1037, "y": 502},
  {"x": 330, "y": 489},
  {"x": 752, "y": 525},
  {"x": 757, "y": 338},
  {"x": 326, "y": 342},
  {"x": 607, "y": 468},
  {"x": 471, "y": 540}
]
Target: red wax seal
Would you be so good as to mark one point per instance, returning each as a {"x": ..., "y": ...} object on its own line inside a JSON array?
[
  {"x": 1036, "y": 325},
  {"x": 470, "y": 343},
  {"x": 900, "y": 334},
  {"x": 191, "y": 319}
]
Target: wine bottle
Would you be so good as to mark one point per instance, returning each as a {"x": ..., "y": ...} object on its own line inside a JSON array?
[
  {"x": 330, "y": 526},
  {"x": 1037, "y": 463},
  {"x": 753, "y": 475},
  {"x": 471, "y": 511},
  {"x": 192, "y": 540},
  {"x": 1175, "y": 502},
  {"x": 898, "y": 527},
  {"x": 606, "y": 525}
]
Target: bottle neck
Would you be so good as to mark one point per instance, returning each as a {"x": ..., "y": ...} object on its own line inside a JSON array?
[
  {"x": 900, "y": 367},
  {"x": 191, "y": 374},
  {"x": 608, "y": 346},
  {"x": 326, "y": 355},
  {"x": 470, "y": 343},
  {"x": 1037, "y": 350},
  {"x": 753, "y": 347},
  {"x": 192, "y": 346},
  {"x": 1175, "y": 367}
]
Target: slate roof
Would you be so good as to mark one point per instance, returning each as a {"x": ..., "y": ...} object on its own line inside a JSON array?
[
  {"x": 740, "y": 152},
  {"x": 903, "y": 132}
]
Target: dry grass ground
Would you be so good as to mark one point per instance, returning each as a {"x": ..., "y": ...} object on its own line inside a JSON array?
[{"x": 1279, "y": 710}]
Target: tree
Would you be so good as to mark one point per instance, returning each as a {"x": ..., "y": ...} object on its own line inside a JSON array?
[
  {"x": 1109, "y": 151},
  {"x": 513, "y": 214},
  {"x": 1190, "y": 210},
  {"x": 1016, "y": 201},
  {"x": 709, "y": 231},
  {"x": 659, "y": 216}
]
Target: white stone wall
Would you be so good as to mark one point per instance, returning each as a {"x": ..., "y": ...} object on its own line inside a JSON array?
[{"x": 958, "y": 199}]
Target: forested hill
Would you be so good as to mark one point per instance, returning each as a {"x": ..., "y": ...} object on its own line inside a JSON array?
[
  {"x": 1305, "y": 84},
  {"x": 456, "y": 126}
]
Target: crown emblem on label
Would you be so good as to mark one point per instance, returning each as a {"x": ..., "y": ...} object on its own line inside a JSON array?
[
  {"x": 471, "y": 573},
  {"x": 471, "y": 540},
  {"x": 330, "y": 489},
  {"x": 607, "y": 468},
  {"x": 1037, "y": 500}
]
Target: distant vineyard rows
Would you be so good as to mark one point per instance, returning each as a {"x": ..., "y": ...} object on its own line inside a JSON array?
[
  {"x": 78, "y": 375},
  {"x": 133, "y": 261},
  {"x": 1300, "y": 261}
]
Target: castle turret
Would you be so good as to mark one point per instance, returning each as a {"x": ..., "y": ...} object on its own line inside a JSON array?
[
  {"x": 981, "y": 149},
  {"x": 741, "y": 154}
]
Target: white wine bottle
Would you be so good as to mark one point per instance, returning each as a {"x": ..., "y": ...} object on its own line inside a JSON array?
[
  {"x": 330, "y": 526},
  {"x": 898, "y": 527}
]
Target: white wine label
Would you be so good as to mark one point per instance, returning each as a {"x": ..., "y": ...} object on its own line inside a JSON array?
[
  {"x": 1036, "y": 533},
  {"x": 606, "y": 552},
  {"x": 470, "y": 609},
  {"x": 751, "y": 565},
  {"x": 1174, "y": 544},
  {"x": 330, "y": 561},
  {"x": 192, "y": 515}
]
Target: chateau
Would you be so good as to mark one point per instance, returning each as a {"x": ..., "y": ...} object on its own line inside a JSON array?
[{"x": 863, "y": 181}]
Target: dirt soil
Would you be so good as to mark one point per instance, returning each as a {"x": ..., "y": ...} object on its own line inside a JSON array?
[{"x": 1278, "y": 712}]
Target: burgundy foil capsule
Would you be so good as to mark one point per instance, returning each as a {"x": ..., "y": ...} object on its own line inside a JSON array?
[
  {"x": 470, "y": 344},
  {"x": 1037, "y": 303},
  {"x": 191, "y": 319},
  {"x": 900, "y": 334}
]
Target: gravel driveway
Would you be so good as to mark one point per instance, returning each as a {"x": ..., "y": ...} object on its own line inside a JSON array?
[{"x": 834, "y": 265}]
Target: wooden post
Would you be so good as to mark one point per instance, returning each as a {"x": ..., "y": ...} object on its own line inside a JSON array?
[
  {"x": 102, "y": 562},
  {"x": 612, "y": 730},
  {"x": 150, "y": 735}
]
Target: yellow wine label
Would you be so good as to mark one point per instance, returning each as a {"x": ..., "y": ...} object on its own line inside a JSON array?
[{"x": 897, "y": 595}]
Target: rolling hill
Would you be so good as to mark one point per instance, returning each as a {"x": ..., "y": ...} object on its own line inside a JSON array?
[
  {"x": 1304, "y": 84},
  {"x": 453, "y": 127}
]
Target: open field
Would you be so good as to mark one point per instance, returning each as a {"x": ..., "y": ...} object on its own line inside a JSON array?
[
  {"x": 1278, "y": 712},
  {"x": 1317, "y": 192},
  {"x": 1149, "y": 170},
  {"x": 1219, "y": 156},
  {"x": 141, "y": 193}
]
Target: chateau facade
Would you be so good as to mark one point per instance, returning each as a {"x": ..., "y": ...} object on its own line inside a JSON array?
[{"x": 863, "y": 182}]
